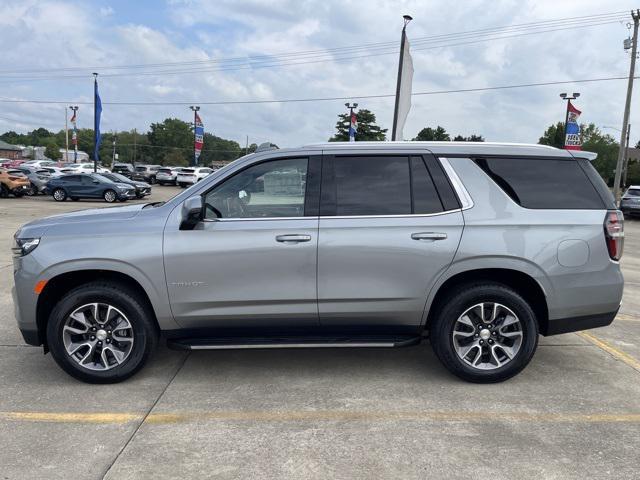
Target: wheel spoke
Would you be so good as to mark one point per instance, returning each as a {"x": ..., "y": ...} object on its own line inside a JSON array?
[
  {"x": 75, "y": 331},
  {"x": 464, "y": 351}
]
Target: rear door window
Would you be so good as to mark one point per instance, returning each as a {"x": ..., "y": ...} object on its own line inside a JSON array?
[
  {"x": 543, "y": 183},
  {"x": 372, "y": 186},
  {"x": 425, "y": 195}
]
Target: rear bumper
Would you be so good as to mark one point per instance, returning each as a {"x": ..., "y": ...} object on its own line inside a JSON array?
[{"x": 574, "y": 324}]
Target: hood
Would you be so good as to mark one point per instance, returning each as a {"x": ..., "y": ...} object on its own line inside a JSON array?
[
  {"x": 141, "y": 184},
  {"x": 37, "y": 228},
  {"x": 123, "y": 185}
]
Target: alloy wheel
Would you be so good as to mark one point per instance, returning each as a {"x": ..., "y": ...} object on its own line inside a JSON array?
[
  {"x": 110, "y": 196},
  {"x": 487, "y": 336},
  {"x": 98, "y": 336}
]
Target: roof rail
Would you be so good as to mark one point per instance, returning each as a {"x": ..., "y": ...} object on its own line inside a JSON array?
[{"x": 266, "y": 146}]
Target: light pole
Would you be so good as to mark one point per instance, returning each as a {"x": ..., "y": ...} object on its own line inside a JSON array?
[
  {"x": 625, "y": 163},
  {"x": 352, "y": 127},
  {"x": 195, "y": 109},
  {"x": 74, "y": 135},
  {"x": 568, "y": 98},
  {"x": 113, "y": 155}
]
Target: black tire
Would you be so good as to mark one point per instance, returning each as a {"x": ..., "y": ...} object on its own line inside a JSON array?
[
  {"x": 110, "y": 196},
  {"x": 18, "y": 193},
  {"x": 4, "y": 191},
  {"x": 441, "y": 332},
  {"x": 59, "y": 195},
  {"x": 145, "y": 334},
  {"x": 32, "y": 191},
  {"x": 75, "y": 199}
]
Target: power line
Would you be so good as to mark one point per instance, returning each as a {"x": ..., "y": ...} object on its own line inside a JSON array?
[
  {"x": 619, "y": 15},
  {"x": 323, "y": 99},
  {"x": 326, "y": 56}
]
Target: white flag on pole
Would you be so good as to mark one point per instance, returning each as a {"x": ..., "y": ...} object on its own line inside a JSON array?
[{"x": 404, "y": 101}]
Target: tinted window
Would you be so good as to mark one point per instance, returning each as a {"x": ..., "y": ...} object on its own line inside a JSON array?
[
  {"x": 372, "y": 186},
  {"x": 71, "y": 178},
  {"x": 543, "y": 183},
  {"x": 632, "y": 192},
  {"x": 425, "y": 196},
  {"x": 271, "y": 189}
]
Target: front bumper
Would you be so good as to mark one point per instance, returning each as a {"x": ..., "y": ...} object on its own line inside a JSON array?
[{"x": 143, "y": 192}]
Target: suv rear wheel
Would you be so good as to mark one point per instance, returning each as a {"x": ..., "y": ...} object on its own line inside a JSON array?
[
  {"x": 59, "y": 195},
  {"x": 99, "y": 333},
  {"x": 485, "y": 333}
]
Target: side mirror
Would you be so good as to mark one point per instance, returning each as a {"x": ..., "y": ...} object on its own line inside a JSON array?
[
  {"x": 191, "y": 212},
  {"x": 96, "y": 182}
]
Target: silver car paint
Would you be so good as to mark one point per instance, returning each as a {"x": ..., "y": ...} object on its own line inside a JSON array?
[{"x": 497, "y": 234}]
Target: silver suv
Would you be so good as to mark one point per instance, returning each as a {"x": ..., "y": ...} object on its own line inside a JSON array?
[{"x": 480, "y": 247}]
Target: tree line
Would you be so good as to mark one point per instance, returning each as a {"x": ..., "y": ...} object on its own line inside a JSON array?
[{"x": 169, "y": 142}]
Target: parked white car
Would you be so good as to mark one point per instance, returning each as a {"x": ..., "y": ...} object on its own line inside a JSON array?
[
  {"x": 41, "y": 163},
  {"x": 167, "y": 175},
  {"x": 189, "y": 176},
  {"x": 84, "y": 168}
]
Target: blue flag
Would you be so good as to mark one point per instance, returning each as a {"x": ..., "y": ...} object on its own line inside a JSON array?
[{"x": 97, "y": 111}]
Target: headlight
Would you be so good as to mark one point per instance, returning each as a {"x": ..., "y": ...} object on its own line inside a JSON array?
[{"x": 24, "y": 246}]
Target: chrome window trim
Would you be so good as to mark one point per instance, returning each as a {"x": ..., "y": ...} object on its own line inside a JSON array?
[
  {"x": 407, "y": 215},
  {"x": 243, "y": 219},
  {"x": 465, "y": 199}
]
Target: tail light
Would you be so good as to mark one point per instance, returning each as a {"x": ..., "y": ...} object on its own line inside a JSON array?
[{"x": 614, "y": 233}]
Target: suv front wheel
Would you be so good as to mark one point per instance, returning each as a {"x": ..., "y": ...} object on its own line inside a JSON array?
[
  {"x": 99, "y": 333},
  {"x": 485, "y": 333}
]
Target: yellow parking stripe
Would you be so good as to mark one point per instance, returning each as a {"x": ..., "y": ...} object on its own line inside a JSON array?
[
  {"x": 627, "y": 318},
  {"x": 63, "y": 417},
  {"x": 319, "y": 415},
  {"x": 607, "y": 347}
]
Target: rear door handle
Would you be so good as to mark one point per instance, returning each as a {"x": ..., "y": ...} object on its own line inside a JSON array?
[
  {"x": 293, "y": 238},
  {"x": 429, "y": 236}
]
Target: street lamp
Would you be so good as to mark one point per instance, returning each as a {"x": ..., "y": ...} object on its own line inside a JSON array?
[{"x": 568, "y": 98}]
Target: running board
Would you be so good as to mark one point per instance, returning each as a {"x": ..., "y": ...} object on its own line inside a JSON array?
[{"x": 240, "y": 343}]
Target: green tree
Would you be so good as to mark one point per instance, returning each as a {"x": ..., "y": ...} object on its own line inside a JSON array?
[
  {"x": 52, "y": 151},
  {"x": 367, "y": 128},
  {"x": 217, "y": 149},
  {"x": 429, "y": 134},
  {"x": 176, "y": 158},
  {"x": 471, "y": 138},
  {"x": 553, "y": 135},
  {"x": 593, "y": 140},
  {"x": 172, "y": 132}
]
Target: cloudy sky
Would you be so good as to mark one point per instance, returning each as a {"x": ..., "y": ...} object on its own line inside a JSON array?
[{"x": 236, "y": 47}]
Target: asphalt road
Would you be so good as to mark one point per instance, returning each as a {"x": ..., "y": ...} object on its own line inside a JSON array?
[{"x": 370, "y": 413}]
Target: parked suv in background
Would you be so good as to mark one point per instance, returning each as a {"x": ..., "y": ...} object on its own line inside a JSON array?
[
  {"x": 125, "y": 169},
  {"x": 630, "y": 202},
  {"x": 167, "y": 175},
  {"x": 188, "y": 176},
  {"x": 478, "y": 246},
  {"x": 145, "y": 173},
  {"x": 13, "y": 182}
]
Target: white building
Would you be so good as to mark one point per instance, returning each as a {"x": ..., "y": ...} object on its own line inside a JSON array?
[{"x": 82, "y": 156}]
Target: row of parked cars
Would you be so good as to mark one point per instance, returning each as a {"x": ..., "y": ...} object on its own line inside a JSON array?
[
  {"x": 29, "y": 179},
  {"x": 152, "y": 174}
]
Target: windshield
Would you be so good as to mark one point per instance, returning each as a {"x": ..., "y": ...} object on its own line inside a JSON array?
[
  {"x": 633, "y": 192},
  {"x": 100, "y": 178},
  {"x": 141, "y": 169},
  {"x": 118, "y": 178}
]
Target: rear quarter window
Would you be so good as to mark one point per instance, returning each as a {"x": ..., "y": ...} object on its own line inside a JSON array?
[{"x": 543, "y": 183}]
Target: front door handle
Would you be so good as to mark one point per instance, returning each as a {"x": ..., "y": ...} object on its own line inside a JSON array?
[
  {"x": 293, "y": 238},
  {"x": 429, "y": 236}
]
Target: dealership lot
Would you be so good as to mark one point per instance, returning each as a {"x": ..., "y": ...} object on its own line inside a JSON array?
[{"x": 573, "y": 413}]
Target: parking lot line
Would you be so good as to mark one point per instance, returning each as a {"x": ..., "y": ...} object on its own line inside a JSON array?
[
  {"x": 322, "y": 415},
  {"x": 610, "y": 349},
  {"x": 627, "y": 318}
]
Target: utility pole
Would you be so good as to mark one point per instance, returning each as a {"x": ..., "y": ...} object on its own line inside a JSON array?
[
  {"x": 195, "y": 109},
  {"x": 352, "y": 131},
  {"x": 66, "y": 137},
  {"x": 246, "y": 148},
  {"x": 403, "y": 36},
  {"x": 627, "y": 106},
  {"x": 568, "y": 98},
  {"x": 626, "y": 157}
]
